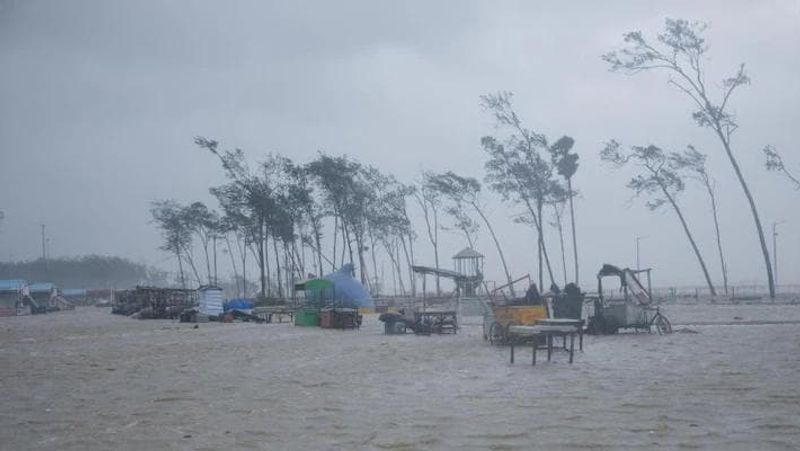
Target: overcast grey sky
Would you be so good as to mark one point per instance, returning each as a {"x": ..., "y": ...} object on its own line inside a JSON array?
[{"x": 100, "y": 100}]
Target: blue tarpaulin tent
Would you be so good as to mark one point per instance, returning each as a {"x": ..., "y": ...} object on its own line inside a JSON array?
[
  {"x": 239, "y": 304},
  {"x": 348, "y": 292}
]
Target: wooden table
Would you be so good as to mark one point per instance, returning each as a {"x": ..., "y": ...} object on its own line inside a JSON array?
[{"x": 518, "y": 333}]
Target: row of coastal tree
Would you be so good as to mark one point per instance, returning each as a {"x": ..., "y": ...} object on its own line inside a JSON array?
[
  {"x": 680, "y": 51},
  {"x": 295, "y": 218},
  {"x": 89, "y": 271}
]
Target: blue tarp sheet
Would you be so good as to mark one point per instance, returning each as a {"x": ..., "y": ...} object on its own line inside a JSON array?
[
  {"x": 12, "y": 285},
  {"x": 42, "y": 287},
  {"x": 348, "y": 292},
  {"x": 238, "y": 304}
]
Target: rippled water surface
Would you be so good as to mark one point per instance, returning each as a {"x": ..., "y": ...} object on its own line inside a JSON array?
[{"x": 88, "y": 380}]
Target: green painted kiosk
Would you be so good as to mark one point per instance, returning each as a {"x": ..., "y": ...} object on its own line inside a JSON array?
[{"x": 318, "y": 293}]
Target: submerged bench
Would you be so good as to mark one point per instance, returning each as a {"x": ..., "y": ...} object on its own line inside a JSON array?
[{"x": 547, "y": 328}]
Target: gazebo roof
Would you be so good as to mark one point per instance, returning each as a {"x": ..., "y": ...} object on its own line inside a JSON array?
[{"x": 468, "y": 252}]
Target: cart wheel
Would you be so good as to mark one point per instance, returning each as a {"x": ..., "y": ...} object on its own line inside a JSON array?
[
  {"x": 662, "y": 324},
  {"x": 497, "y": 334}
]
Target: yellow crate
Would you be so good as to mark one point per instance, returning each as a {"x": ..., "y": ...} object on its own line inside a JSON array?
[{"x": 523, "y": 315}]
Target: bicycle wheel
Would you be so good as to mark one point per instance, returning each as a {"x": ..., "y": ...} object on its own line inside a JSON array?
[
  {"x": 662, "y": 324},
  {"x": 497, "y": 334}
]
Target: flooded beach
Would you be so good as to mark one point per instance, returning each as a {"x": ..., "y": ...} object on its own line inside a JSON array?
[
  {"x": 177, "y": 175},
  {"x": 88, "y": 380}
]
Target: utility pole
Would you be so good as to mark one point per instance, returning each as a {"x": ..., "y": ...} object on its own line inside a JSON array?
[
  {"x": 44, "y": 246},
  {"x": 244, "y": 267},
  {"x": 216, "y": 284}
]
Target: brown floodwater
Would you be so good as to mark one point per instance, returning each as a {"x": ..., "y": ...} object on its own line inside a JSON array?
[{"x": 89, "y": 380}]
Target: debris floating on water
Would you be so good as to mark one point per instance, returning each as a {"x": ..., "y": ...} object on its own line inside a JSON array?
[{"x": 686, "y": 330}]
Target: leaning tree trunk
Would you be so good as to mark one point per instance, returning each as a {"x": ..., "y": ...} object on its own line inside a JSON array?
[
  {"x": 724, "y": 266},
  {"x": 546, "y": 255},
  {"x": 377, "y": 285},
  {"x": 262, "y": 258},
  {"x": 267, "y": 268},
  {"x": 410, "y": 262},
  {"x": 691, "y": 239},
  {"x": 290, "y": 258},
  {"x": 753, "y": 210},
  {"x": 394, "y": 256},
  {"x": 317, "y": 239},
  {"x": 190, "y": 260},
  {"x": 180, "y": 269},
  {"x": 496, "y": 245},
  {"x": 362, "y": 270},
  {"x": 346, "y": 243},
  {"x": 561, "y": 240},
  {"x": 290, "y": 263},
  {"x": 261, "y": 269},
  {"x": 361, "y": 260},
  {"x": 436, "y": 250},
  {"x": 208, "y": 259},
  {"x": 539, "y": 230},
  {"x": 233, "y": 261},
  {"x": 542, "y": 248},
  {"x": 243, "y": 253},
  {"x": 345, "y": 240},
  {"x": 287, "y": 270},
  {"x": 540, "y": 243},
  {"x": 335, "y": 235},
  {"x": 299, "y": 258},
  {"x": 277, "y": 267},
  {"x": 574, "y": 238},
  {"x": 433, "y": 233}
]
